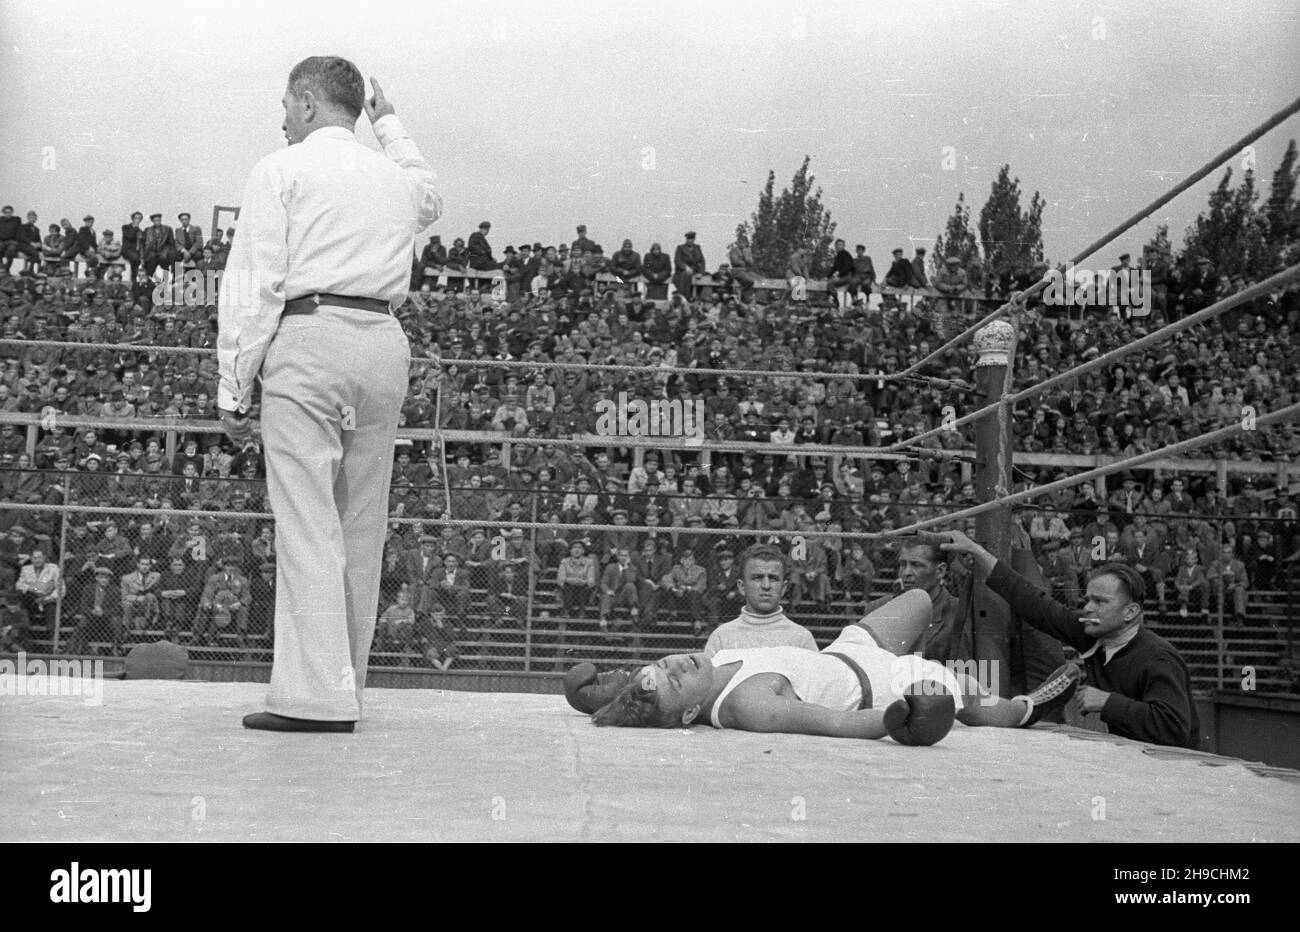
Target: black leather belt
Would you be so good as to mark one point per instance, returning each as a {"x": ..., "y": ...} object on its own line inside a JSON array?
[
  {"x": 860, "y": 673},
  {"x": 308, "y": 304}
]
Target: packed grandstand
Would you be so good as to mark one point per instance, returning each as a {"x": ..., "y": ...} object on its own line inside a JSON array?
[{"x": 516, "y": 360}]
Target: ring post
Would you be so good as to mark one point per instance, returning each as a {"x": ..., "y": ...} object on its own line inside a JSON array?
[{"x": 993, "y": 454}]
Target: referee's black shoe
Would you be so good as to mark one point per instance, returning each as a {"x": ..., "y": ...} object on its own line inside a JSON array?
[{"x": 269, "y": 721}]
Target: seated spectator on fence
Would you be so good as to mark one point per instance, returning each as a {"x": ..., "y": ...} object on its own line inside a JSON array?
[
  {"x": 110, "y": 250},
  {"x": 900, "y": 271},
  {"x": 864, "y": 273},
  {"x": 84, "y": 245},
  {"x": 951, "y": 281},
  {"x": 626, "y": 263},
  {"x": 842, "y": 272},
  {"x": 688, "y": 261},
  {"x": 479, "y": 252},
  {"x": 52, "y": 248}
]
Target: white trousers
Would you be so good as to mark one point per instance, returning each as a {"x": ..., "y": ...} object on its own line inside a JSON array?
[{"x": 333, "y": 383}]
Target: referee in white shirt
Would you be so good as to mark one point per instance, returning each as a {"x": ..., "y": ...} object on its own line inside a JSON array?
[{"x": 326, "y": 234}]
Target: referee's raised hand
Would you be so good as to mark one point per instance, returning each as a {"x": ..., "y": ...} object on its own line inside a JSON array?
[{"x": 377, "y": 104}]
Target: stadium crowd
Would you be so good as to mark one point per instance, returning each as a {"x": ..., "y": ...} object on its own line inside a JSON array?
[{"x": 1195, "y": 542}]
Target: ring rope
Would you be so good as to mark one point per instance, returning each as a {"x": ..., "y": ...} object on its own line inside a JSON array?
[
  {"x": 1219, "y": 307},
  {"x": 1276, "y": 119},
  {"x": 1224, "y": 433},
  {"x": 1283, "y": 414}
]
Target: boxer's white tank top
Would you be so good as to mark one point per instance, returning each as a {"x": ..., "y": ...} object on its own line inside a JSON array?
[{"x": 815, "y": 677}]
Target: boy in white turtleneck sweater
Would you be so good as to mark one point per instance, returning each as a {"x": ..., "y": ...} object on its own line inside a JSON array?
[{"x": 762, "y": 622}]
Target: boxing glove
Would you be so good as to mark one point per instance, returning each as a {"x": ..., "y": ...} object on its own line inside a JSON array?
[
  {"x": 923, "y": 716},
  {"x": 587, "y": 690}
]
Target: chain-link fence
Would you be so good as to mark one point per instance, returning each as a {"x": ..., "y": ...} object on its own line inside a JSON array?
[{"x": 541, "y": 597}]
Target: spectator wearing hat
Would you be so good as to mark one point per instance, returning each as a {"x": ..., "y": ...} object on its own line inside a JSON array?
[
  {"x": 840, "y": 282},
  {"x": 688, "y": 261},
  {"x": 133, "y": 243},
  {"x": 918, "y": 269},
  {"x": 864, "y": 273},
  {"x": 900, "y": 271},
  {"x": 507, "y": 593},
  {"x": 1198, "y": 286},
  {"x": 684, "y": 587},
  {"x": 620, "y": 587},
  {"x": 952, "y": 282},
  {"x": 178, "y": 595},
  {"x": 83, "y": 246},
  {"x": 189, "y": 241},
  {"x": 433, "y": 257},
  {"x": 657, "y": 269},
  {"x": 626, "y": 263},
  {"x": 478, "y": 252},
  {"x": 1124, "y": 502},
  {"x": 576, "y": 579},
  {"x": 140, "y": 595},
  {"x": 450, "y": 586},
  {"x": 226, "y": 598},
  {"x": 420, "y": 565},
  {"x": 159, "y": 245},
  {"x": 582, "y": 244},
  {"x": 109, "y": 250},
  {"x": 99, "y": 613}
]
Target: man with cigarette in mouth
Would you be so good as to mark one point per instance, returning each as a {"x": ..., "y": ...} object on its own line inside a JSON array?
[{"x": 1134, "y": 678}]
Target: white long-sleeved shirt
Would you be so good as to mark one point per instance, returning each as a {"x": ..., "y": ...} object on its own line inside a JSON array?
[
  {"x": 43, "y": 585},
  {"x": 326, "y": 215}
]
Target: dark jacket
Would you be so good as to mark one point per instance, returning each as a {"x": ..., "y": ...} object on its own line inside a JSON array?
[{"x": 1150, "y": 686}]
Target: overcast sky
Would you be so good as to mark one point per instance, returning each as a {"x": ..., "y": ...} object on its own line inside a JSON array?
[{"x": 648, "y": 119}]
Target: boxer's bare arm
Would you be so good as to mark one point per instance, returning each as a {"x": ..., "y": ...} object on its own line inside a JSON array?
[{"x": 767, "y": 703}]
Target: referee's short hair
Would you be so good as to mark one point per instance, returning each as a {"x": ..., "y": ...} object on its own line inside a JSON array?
[
  {"x": 1130, "y": 580},
  {"x": 332, "y": 79}
]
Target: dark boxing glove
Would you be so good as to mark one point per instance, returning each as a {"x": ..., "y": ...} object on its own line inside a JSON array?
[
  {"x": 587, "y": 690},
  {"x": 923, "y": 716}
]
